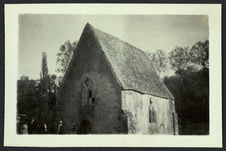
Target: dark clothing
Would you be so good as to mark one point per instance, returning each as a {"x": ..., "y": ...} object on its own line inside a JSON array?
[
  {"x": 73, "y": 129},
  {"x": 60, "y": 129}
]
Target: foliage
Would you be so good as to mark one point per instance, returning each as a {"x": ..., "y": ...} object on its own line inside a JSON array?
[
  {"x": 59, "y": 81},
  {"x": 179, "y": 58},
  {"x": 52, "y": 83},
  {"x": 197, "y": 57},
  {"x": 44, "y": 71},
  {"x": 31, "y": 102},
  {"x": 28, "y": 99},
  {"x": 199, "y": 53},
  {"x": 190, "y": 87},
  {"x": 159, "y": 60},
  {"x": 64, "y": 56},
  {"x": 191, "y": 92},
  {"x": 37, "y": 99}
]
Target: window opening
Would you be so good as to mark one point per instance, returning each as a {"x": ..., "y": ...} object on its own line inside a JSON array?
[{"x": 152, "y": 113}]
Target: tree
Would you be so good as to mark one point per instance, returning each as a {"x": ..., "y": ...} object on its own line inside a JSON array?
[
  {"x": 25, "y": 96},
  {"x": 44, "y": 81},
  {"x": 191, "y": 92},
  {"x": 199, "y": 53},
  {"x": 179, "y": 58},
  {"x": 52, "y": 104},
  {"x": 48, "y": 96},
  {"x": 28, "y": 100},
  {"x": 190, "y": 87},
  {"x": 195, "y": 58},
  {"x": 64, "y": 56},
  {"x": 59, "y": 81},
  {"x": 52, "y": 83},
  {"x": 44, "y": 76},
  {"x": 159, "y": 60}
]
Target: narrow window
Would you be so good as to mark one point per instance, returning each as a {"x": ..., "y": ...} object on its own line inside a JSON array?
[
  {"x": 152, "y": 113},
  {"x": 87, "y": 92},
  {"x": 93, "y": 101},
  {"x": 90, "y": 94},
  {"x": 154, "y": 116},
  {"x": 91, "y": 98}
]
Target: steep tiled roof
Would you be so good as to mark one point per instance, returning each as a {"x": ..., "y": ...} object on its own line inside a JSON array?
[{"x": 130, "y": 64}]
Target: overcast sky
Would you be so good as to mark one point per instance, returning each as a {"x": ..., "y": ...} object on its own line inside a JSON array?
[{"x": 38, "y": 33}]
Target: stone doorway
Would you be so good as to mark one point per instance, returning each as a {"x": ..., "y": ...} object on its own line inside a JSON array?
[{"x": 85, "y": 127}]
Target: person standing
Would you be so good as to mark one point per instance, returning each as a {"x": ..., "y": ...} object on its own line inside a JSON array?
[
  {"x": 73, "y": 128},
  {"x": 31, "y": 127},
  {"x": 44, "y": 128},
  {"x": 19, "y": 126},
  {"x": 25, "y": 129},
  {"x": 60, "y": 128}
]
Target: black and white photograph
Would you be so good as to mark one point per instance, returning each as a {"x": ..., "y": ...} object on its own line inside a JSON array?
[
  {"x": 113, "y": 74},
  {"x": 104, "y": 85}
]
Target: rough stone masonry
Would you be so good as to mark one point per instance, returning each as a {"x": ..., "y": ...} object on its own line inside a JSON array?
[{"x": 111, "y": 87}]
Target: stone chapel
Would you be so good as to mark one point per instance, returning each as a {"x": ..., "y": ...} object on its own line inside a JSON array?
[{"x": 111, "y": 87}]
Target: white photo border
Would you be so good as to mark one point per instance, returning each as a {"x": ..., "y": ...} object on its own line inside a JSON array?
[{"x": 214, "y": 139}]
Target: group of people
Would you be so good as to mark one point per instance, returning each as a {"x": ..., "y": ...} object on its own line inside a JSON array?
[
  {"x": 37, "y": 127},
  {"x": 60, "y": 128},
  {"x": 32, "y": 127}
]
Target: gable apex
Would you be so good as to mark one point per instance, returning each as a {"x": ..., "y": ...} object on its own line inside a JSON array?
[
  {"x": 130, "y": 65},
  {"x": 88, "y": 26}
]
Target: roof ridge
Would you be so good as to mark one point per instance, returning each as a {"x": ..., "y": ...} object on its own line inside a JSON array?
[
  {"x": 94, "y": 28},
  {"x": 110, "y": 45},
  {"x": 130, "y": 65},
  {"x": 136, "y": 48}
]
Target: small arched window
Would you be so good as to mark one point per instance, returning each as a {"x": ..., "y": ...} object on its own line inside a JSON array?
[
  {"x": 152, "y": 112},
  {"x": 88, "y": 92}
]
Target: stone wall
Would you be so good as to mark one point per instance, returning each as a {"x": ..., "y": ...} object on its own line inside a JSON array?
[
  {"x": 91, "y": 62},
  {"x": 114, "y": 111},
  {"x": 136, "y": 107}
]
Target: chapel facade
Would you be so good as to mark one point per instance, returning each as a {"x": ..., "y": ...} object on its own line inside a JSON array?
[{"x": 111, "y": 87}]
